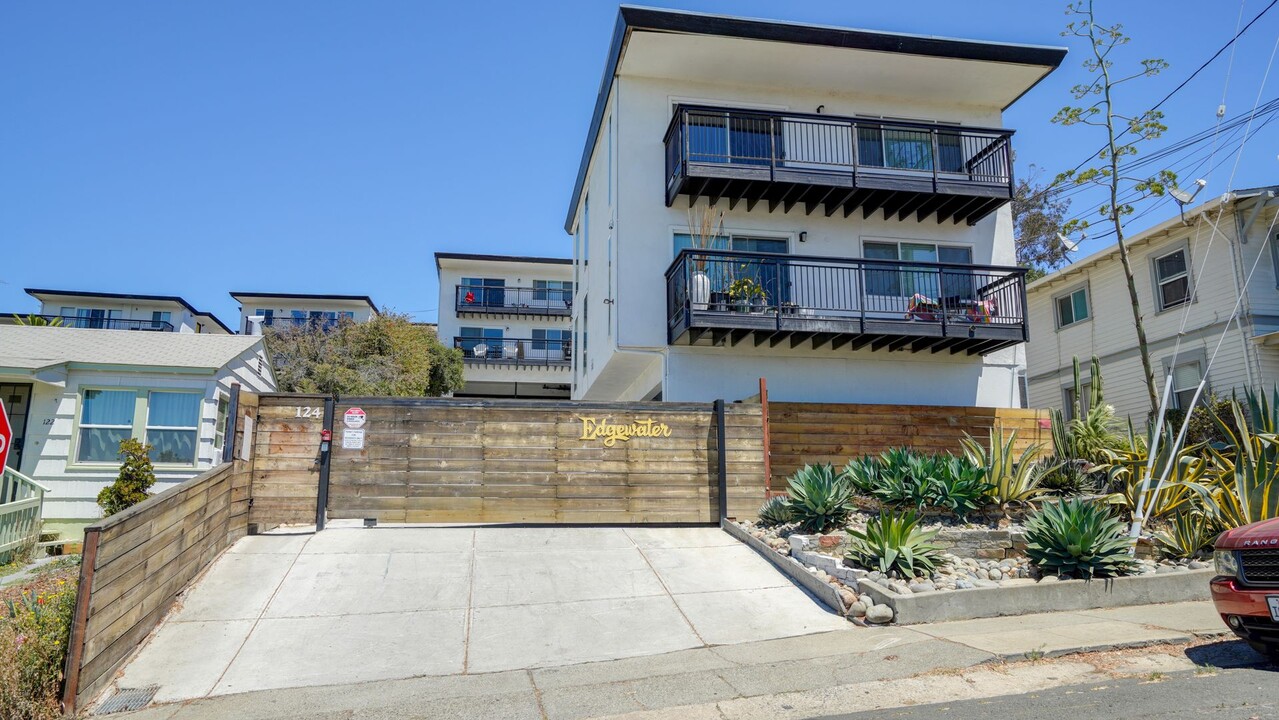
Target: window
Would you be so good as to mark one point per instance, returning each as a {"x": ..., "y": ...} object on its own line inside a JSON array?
[
  {"x": 219, "y": 429},
  {"x": 906, "y": 281},
  {"x": 1172, "y": 279},
  {"x": 160, "y": 320},
  {"x": 1185, "y": 381},
  {"x": 1068, "y": 410},
  {"x": 487, "y": 292},
  {"x": 173, "y": 426},
  {"x": 481, "y": 342},
  {"x": 770, "y": 276},
  {"x": 1072, "y": 307},
  {"x": 738, "y": 139},
  {"x": 106, "y": 418},
  {"x": 551, "y": 344},
  {"x": 266, "y": 315},
  {"x": 909, "y": 148},
  {"x": 90, "y": 317},
  {"x": 553, "y": 292}
]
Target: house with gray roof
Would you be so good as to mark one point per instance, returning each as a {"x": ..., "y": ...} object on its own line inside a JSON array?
[{"x": 73, "y": 394}]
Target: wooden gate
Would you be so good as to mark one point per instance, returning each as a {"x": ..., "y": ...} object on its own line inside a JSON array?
[{"x": 446, "y": 460}]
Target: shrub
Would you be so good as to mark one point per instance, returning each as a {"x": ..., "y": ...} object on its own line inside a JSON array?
[
  {"x": 1066, "y": 477},
  {"x": 775, "y": 511},
  {"x": 1245, "y": 486},
  {"x": 1189, "y": 532},
  {"x": 901, "y": 477},
  {"x": 820, "y": 498},
  {"x": 1079, "y": 538},
  {"x": 961, "y": 486},
  {"x": 135, "y": 479},
  {"x": 894, "y": 542},
  {"x": 863, "y": 473},
  {"x": 35, "y": 623},
  {"x": 1013, "y": 478}
]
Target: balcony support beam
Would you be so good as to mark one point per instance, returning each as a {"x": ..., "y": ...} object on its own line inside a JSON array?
[
  {"x": 897, "y": 202},
  {"x": 821, "y": 339},
  {"x": 778, "y": 338},
  {"x": 899, "y": 343},
  {"x": 719, "y": 336},
  {"x": 862, "y": 341},
  {"x": 762, "y": 337},
  {"x": 797, "y": 339},
  {"x": 738, "y": 336},
  {"x": 833, "y": 207},
  {"x": 874, "y": 202}
]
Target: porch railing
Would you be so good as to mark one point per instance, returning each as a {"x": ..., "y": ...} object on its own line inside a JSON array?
[
  {"x": 773, "y": 141},
  {"x": 707, "y": 283},
  {"x": 512, "y": 300},
  {"x": 21, "y": 510},
  {"x": 99, "y": 323},
  {"x": 515, "y": 351}
]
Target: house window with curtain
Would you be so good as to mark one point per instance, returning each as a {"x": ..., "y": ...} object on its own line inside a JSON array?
[
  {"x": 106, "y": 419},
  {"x": 160, "y": 320},
  {"x": 219, "y": 429},
  {"x": 1072, "y": 307},
  {"x": 173, "y": 426},
  {"x": 1185, "y": 381},
  {"x": 1068, "y": 410},
  {"x": 1172, "y": 279}
]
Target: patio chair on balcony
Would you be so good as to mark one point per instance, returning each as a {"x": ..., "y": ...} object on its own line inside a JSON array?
[{"x": 480, "y": 350}]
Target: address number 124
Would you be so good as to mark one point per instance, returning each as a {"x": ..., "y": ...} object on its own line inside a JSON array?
[{"x": 309, "y": 412}]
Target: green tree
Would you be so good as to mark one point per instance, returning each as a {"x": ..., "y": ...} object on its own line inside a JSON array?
[
  {"x": 135, "y": 479},
  {"x": 37, "y": 320},
  {"x": 1123, "y": 134},
  {"x": 1038, "y": 218},
  {"x": 387, "y": 355}
]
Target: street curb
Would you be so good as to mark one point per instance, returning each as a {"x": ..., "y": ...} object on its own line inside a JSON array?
[
  {"x": 1061, "y": 596},
  {"x": 789, "y": 567}
]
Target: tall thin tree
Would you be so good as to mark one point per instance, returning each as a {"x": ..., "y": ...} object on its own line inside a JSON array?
[{"x": 1123, "y": 133}]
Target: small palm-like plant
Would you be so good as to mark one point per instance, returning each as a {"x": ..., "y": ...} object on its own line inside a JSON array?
[
  {"x": 820, "y": 497},
  {"x": 1190, "y": 531},
  {"x": 775, "y": 511},
  {"x": 1079, "y": 538},
  {"x": 1013, "y": 478},
  {"x": 894, "y": 541}
]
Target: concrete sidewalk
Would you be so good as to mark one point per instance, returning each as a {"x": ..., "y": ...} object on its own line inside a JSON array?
[{"x": 791, "y": 677}]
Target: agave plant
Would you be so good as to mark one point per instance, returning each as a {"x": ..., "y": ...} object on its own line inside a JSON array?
[
  {"x": 775, "y": 511},
  {"x": 820, "y": 497},
  {"x": 1190, "y": 531},
  {"x": 962, "y": 486},
  {"x": 894, "y": 541},
  {"x": 1079, "y": 538},
  {"x": 1126, "y": 473},
  {"x": 1013, "y": 478},
  {"x": 1246, "y": 489},
  {"x": 1067, "y": 477},
  {"x": 863, "y": 473}
]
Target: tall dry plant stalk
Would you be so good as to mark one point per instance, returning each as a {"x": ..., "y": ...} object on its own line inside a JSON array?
[{"x": 704, "y": 227}]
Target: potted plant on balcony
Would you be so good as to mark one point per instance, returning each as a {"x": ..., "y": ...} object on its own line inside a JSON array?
[
  {"x": 703, "y": 232},
  {"x": 746, "y": 295}
]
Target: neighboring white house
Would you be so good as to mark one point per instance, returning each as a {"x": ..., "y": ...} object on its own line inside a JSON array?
[
  {"x": 119, "y": 311},
  {"x": 1189, "y": 278},
  {"x": 298, "y": 309},
  {"x": 864, "y": 179},
  {"x": 72, "y": 394},
  {"x": 510, "y": 317}
]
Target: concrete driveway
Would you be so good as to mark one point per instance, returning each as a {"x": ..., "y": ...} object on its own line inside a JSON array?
[{"x": 352, "y": 605}]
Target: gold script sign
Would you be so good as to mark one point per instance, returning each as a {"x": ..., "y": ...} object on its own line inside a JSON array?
[{"x": 612, "y": 433}]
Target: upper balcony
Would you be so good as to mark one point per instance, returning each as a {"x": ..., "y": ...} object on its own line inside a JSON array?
[
  {"x": 97, "y": 323},
  {"x": 950, "y": 172},
  {"x": 501, "y": 300},
  {"x": 721, "y": 297}
]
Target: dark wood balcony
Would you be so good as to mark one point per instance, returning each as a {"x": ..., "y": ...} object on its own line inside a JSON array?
[
  {"x": 728, "y": 298},
  {"x": 96, "y": 323},
  {"x": 512, "y": 301},
  {"x": 838, "y": 164},
  {"x": 515, "y": 352}
]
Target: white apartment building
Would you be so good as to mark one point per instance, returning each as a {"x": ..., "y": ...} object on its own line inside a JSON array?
[
  {"x": 510, "y": 318},
  {"x": 299, "y": 309},
  {"x": 1190, "y": 275},
  {"x": 859, "y": 182},
  {"x": 120, "y": 311}
]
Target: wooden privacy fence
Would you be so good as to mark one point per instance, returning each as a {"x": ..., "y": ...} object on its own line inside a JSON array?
[
  {"x": 432, "y": 460},
  {"x": 804, "y": 433}
]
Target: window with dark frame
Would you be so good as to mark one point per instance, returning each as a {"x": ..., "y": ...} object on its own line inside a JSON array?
[
  {"x": 1072, "y": 307},
  {"x": 1172, "y": 278}
]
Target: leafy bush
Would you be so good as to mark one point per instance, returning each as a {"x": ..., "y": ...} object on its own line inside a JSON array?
[
  {"x": 901, "y": 477},
  {"x": 894, "y": 542},
  {"x": 820, "y": 498},
  {"x": 1013, "y": 478},
  {"x": 1189, "y": 532},
  {"x": 35, "y": 623},
  {"x": 1079, "y": 538},
  {"x": 775, "y": 511},
  {"x": 135, "y": 479}
]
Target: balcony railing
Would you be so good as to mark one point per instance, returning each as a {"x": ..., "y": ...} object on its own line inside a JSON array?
[
  {"x": 719, "y": 297},
  {"x": 953, "y": 172},
  {"x": 550, "y": 302},
  {"x": 99, "y": 323},
  {"x": 515, "y": 351}
]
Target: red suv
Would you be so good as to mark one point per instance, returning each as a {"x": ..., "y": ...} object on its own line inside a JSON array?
[{"x": 1246, "y": 589}]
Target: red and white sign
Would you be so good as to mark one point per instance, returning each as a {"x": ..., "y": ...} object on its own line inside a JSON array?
[
  {"x": 354, "y": 418},
  {"x": 6, "y": 436}
]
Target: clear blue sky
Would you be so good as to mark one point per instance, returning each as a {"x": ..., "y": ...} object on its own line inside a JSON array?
[{"x": 307, "y": 146}]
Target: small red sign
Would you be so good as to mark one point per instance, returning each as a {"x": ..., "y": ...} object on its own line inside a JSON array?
[
  {"x": 6, "y": 436},
  {"x": 354, "y": 418}
]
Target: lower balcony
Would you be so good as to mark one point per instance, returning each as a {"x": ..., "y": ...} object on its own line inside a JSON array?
[
  {"x": 515, "y": 352},
  {"x": 96, "y": 323},
  {"x": 728, "y": 298}
]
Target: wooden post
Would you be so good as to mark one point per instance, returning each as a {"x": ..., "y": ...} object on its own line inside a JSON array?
[
  {"x": 232, "y": 419},
  {"x": 322, "y": 496},
  {"x": 79, "y": 622},
  {"x": 768, "y": 448},
  {"x": 721, "y": 447}
]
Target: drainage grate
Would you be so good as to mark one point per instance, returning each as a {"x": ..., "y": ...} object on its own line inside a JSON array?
[{"x": 126, "y": 699}]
